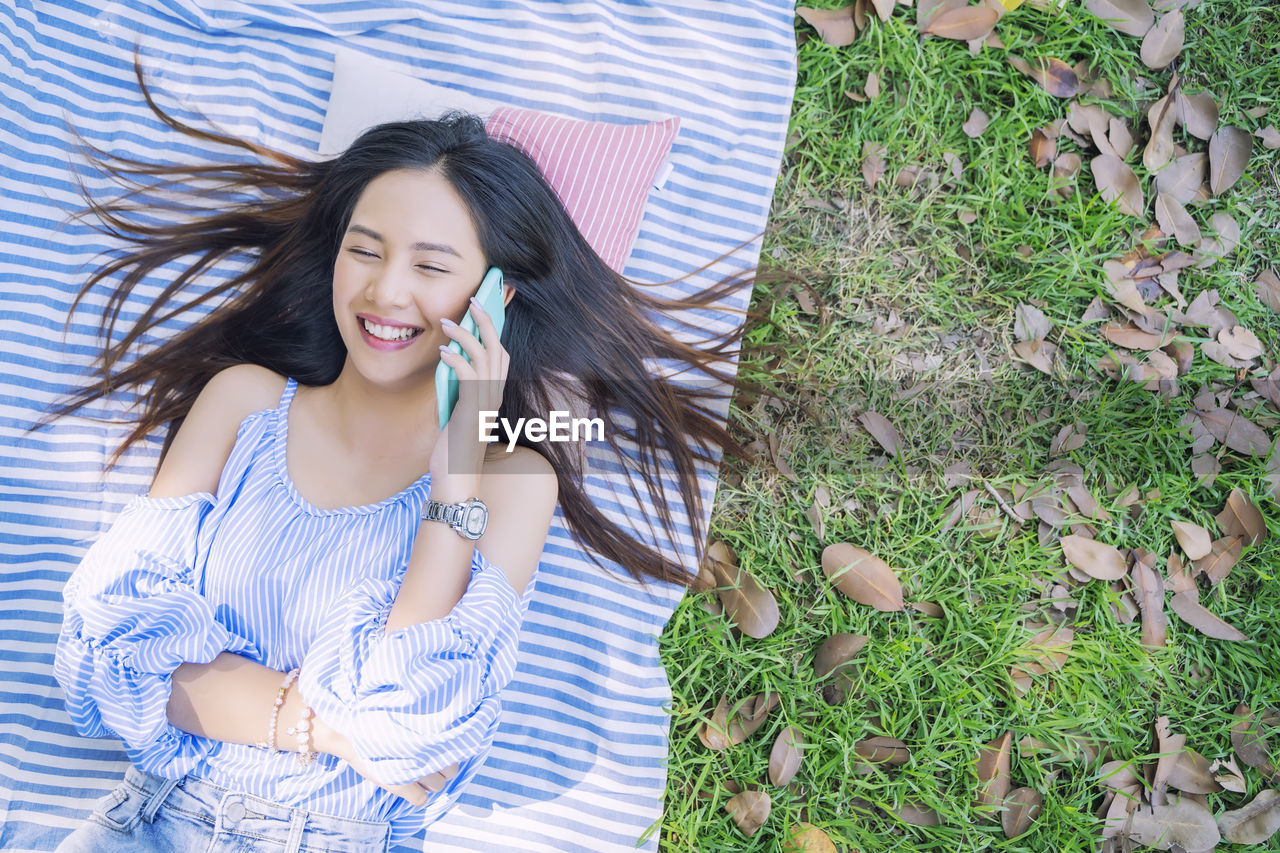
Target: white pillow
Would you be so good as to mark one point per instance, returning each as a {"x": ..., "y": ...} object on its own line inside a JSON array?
[{"x": 368, "y": 91}]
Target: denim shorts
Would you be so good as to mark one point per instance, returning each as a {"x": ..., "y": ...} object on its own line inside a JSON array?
[{"x": 147, "y": 813}]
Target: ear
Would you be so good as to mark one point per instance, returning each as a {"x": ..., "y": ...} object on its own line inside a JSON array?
[{"x": 507, "y": 292}]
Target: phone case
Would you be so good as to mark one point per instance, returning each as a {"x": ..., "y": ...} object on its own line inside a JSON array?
[{"x": 490, "y": 297}]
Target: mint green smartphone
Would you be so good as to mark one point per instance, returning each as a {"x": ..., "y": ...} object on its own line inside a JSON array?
[{"x": 490, "y": 297}]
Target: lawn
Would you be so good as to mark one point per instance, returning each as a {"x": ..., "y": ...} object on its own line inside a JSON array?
[{"x": 1022, "y": 412}]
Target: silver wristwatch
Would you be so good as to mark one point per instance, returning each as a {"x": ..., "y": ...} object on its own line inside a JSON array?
[{"x": 469, "y": 518}]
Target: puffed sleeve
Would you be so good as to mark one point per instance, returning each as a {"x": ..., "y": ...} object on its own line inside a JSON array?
[
  {"x": 419, "y": 698},
  {"x": 130, "y": 618}
]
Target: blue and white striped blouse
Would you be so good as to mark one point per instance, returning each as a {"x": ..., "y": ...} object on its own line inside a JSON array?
[{"x": 259, "y": 571}]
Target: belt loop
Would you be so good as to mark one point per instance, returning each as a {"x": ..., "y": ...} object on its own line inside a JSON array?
[
  {"x": 156, "y": 800},
  {"x": 297, "y": 823}
]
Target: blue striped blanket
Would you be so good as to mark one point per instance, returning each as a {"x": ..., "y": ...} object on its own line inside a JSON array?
[{"x": 579, "y": 761}]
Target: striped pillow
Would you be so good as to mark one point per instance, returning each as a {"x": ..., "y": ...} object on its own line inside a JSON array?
[{"x": 602, "y": 172}]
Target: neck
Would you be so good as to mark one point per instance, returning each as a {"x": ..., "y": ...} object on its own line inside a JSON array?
[{"x": 376, "y": 420}]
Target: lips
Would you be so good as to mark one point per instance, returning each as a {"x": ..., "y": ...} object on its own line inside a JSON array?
[{"x": 383, "y": 334}]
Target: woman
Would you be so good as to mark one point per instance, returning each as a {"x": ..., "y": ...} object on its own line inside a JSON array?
[{"x": 290, "y": 646}]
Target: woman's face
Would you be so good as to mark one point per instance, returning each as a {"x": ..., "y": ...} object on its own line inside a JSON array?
[{"x": 410, "y": 256}]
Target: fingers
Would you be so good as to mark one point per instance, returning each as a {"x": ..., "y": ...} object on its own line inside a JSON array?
[{"x": 487, "y": 361}]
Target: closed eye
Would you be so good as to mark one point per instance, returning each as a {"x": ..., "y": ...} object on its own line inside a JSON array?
[{"x": 362, "y": 253}]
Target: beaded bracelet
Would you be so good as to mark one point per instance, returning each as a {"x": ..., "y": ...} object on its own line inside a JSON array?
[
  {"x": 270, "y": 742},
  {"x": 302, "y": 730}
]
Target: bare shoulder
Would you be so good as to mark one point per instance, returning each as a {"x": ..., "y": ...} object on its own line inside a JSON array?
[
  {"x": 203, "y": 443},
  {"x": 520, "y": 490}
]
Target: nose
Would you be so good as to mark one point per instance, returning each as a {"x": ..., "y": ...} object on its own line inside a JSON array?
[{"x": 386, "y": 286}]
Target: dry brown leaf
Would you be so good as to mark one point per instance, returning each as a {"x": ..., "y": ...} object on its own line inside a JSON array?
[
  {"x": 872, "y": 163},
  {"x": 884, "y": 8},
  {"x": 747, "y": 603},
  {"x": 1182, "y": 177},
  {"x": 1120, "y": 137},
  {"x": 1022, "y": 808},
  {"x": 1267, "y": 285},
  {"x": 1041, "y": 148},
  {"x": 1223, "y": 555},
  {"x": 1197, "y": 113},
  {"x": 1240, "y": 517},
  {"x": 1234, "y": 430},
  {"x": 1117, "y": 182},
  {"x": 1250, "y": 743},
  {"x": 746, "y": 717},
  {"x": 882, "y": 749},
  {"x": 1269, "y": 135},
  {"x": 976, "y": 123},
  {"x": 1253, "y": 823},
  {"x": 916, "y": 814},
  {"x": 807, "y": 838},
  {"x": 836, "y": 651},
  {"x": 779, "y": 454},
  {"x": 714, "y": 733},
  {"x": 1240, "y": 343},
  {"x": 1229, "y": 152},
  {"x": 1130, "y": 337},
  {"x": 1029, "y": 323},
  {"x": 993, "y": 772},
  {"x": 835, "y": 26},
  {"x": 1052, "y": 74},
  {"x": 873, "y": 81},
  {"x": 785, "y": 757},
  {"x": 1096, "y": 559},
  {"x": 882, "y": 431},
  {"x": 1160, "y": 147},
  {"x": 1229, "y": 776},
  {"x": 1175, "y": 220},
  {"x": 1187, "y": 606},
  {"x": 1185, "y": 822},
  {"x": 1163, "y": 42},
  {"x": 1038, "y": 353},
  {"x": 1132, "y": 17},
  {"x": 862, "y": 576},
  {"x": 1149, "y": 590},
  {"x": 749, "y": 810},
  {"x": 1193, "y": 538},
  {"x": 1191, "y": 774},
  {"x": 963, "y": 23}
]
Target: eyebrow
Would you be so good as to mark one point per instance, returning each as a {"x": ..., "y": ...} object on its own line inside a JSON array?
[{"x": 419, "y": 246}]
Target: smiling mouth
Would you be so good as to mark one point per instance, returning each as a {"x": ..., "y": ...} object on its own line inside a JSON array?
[{"x": 390, "y": 333}]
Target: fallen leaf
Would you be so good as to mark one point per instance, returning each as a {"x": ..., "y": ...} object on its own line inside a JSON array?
[
  {"x": 1041, "y": 148},
  {"x": 881, "y": 749},
  {"x": 1160, "y": 147},
  {"x": 1267, "y": 285},
  {"x": 882, "y": 431},
  {"x": 1129, "y": 337},
  {"x": 1149, "y": 590},
  {"x": 1193, "y": 538},
  {"x": 1234, "y": 430},
  {"x": 835, "y": 26},
  {"x": 1191, "y": 774},
  {"x": 807, "y": 838},
  {"x": 1117, "y": 182},
  {"x": 1029, "y": 323},
  {"x": 1250, "y": 743},
  {"x": 1163, "y": 42},
  {"x": 872, "y": 163},
  {"x": 747, "y": 603},
  {"x": 714, "y": 733},
  {"x": 746, "y": 717},
  {"x": 1269, "y": 135},
  {"x": 1187, "y": 606},
  {"x": 1132, "y": 17},
  {"x": 1185, "y": 823},
  {"x": 1096, "y": 559},
  {"x": 1175, "y": 220},
  {"x": 916, "y": 814},
  {"x": 1022, "y": 807},
  {"x": 884, "y": 8},
  {"x": 976, "y": 123},
  {"x": 862, "y": 576},
  {"x": 1038, "y": 353},
  {"x": 785, "y": 757},
  {"x": 1230, "y": 780},
  {"x": 779, "y": 454},
  {"x": 1052, "y": 74},
  {"x": 964, "y": 23},
  {"x": 1253, "y": 823},
  {"x": 1240, "y": 517},
  {"x": 1197, "y": 113},
  {"x": 873, "y": 79},
  {"x": 1182, "y": 176},
  {"x": 993, "y": 772},
  {"x": 749, "y": 810},
  {"x": 1240, "y": 343},
  {"x": 1229, "y": 152},
  {"x": 836, "y": 651},
  {"x": 1223, "y": 555},
  {"x": 1120, "y": 137}
]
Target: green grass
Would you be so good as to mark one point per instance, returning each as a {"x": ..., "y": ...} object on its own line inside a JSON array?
[{"x": 943, "y": 685}]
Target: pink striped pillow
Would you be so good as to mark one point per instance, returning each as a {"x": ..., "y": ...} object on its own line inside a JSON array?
[{"x": 602, "y": 172}]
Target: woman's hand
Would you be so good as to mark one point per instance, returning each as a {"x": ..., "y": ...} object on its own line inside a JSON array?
[
  {"x": 459, "y": 451},
  {"x": 327, "y": 739}
]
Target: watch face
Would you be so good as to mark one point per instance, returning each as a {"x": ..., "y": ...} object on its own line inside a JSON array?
[{"x": 475, "y": 520}]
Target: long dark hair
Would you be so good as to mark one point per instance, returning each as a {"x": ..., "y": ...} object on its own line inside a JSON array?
[{"x": 570, "y": 315}]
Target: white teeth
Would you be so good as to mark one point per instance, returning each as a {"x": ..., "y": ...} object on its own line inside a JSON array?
[{"x": 389, "y": 333}]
